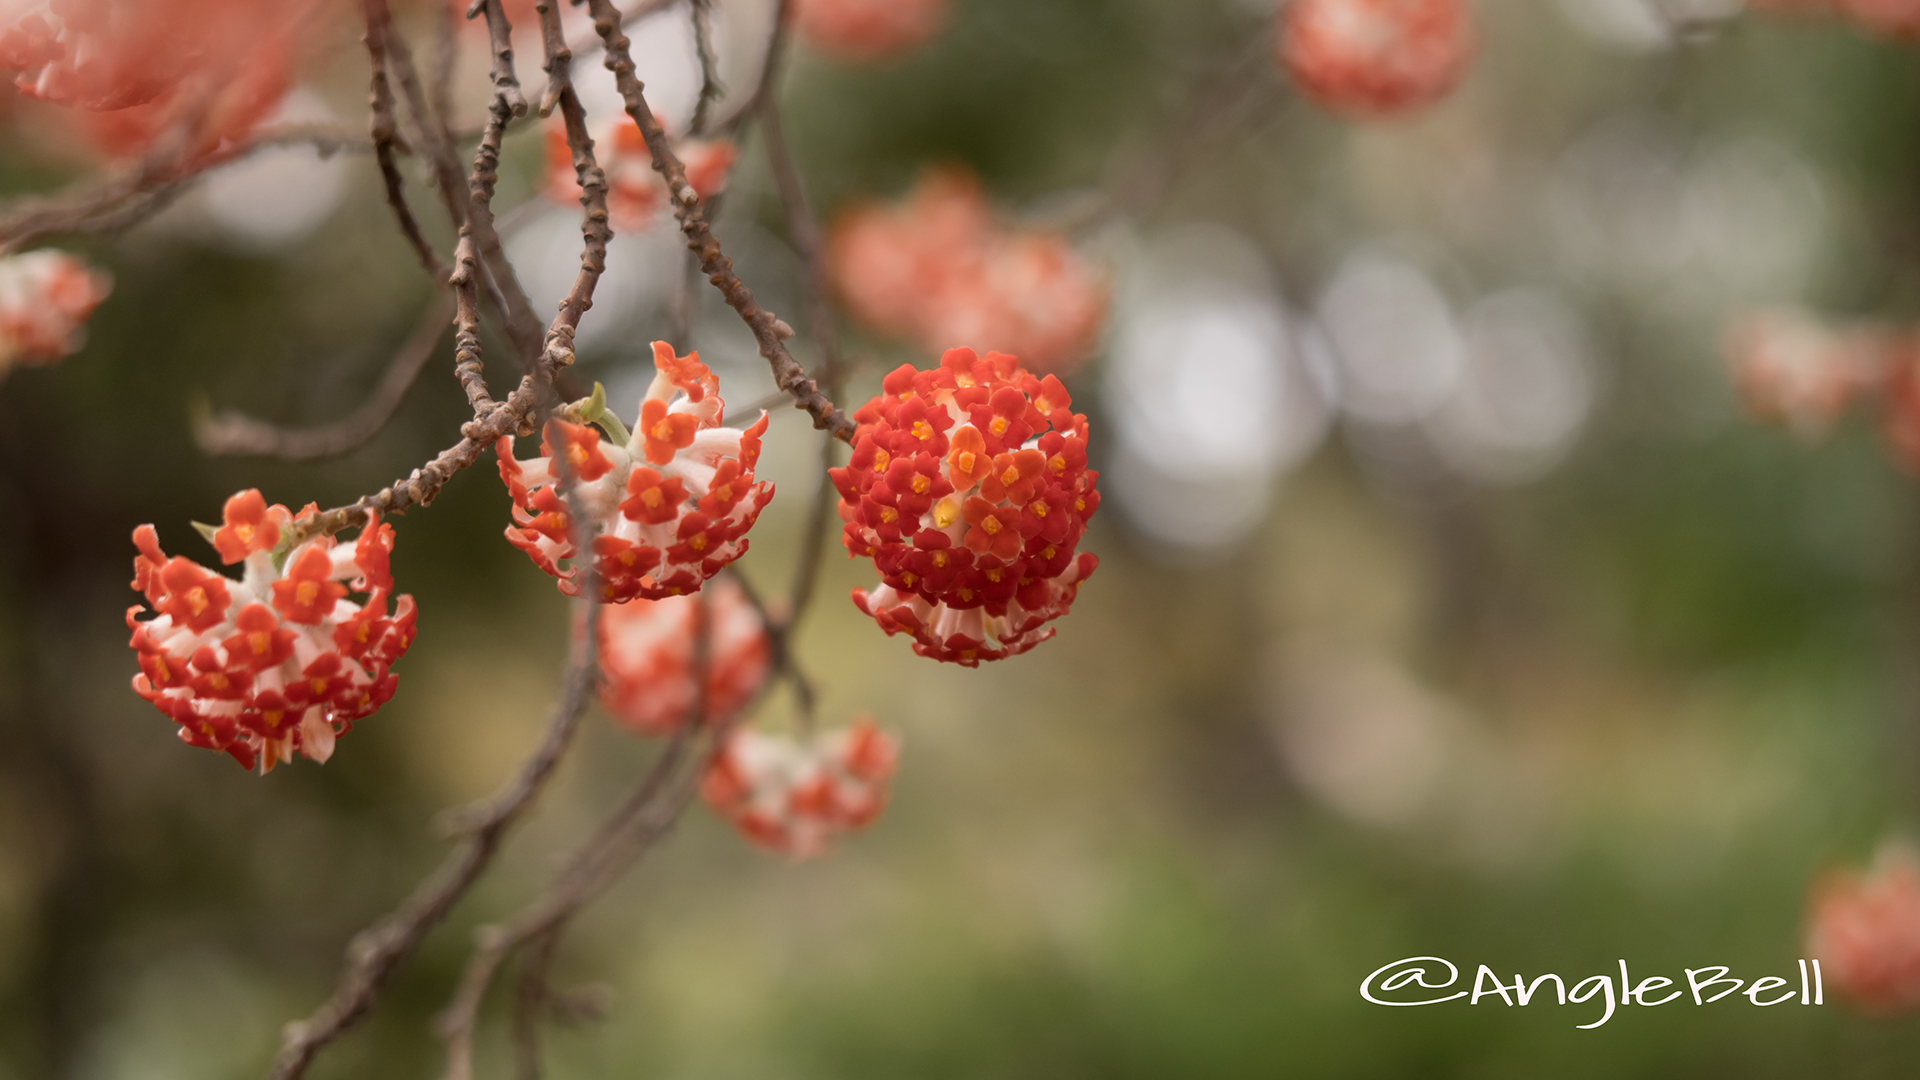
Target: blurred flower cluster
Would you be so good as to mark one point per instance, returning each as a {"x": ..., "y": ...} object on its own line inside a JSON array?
[{"x": 939, "y": 270}]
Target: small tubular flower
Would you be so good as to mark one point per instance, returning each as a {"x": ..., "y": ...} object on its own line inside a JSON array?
[
  {"x": 636, "y": 195},
  {"x": 1375, "y": 58},
  {"x": 663, "y": 511},
  {"x": 647, "y": 677},
  {"x": 868, "y": 30},
  {"x": 975, "y": 532},
  {"x": 1865, "y": 930},
  {"x": 280, "y": 661},
  {"x": 940, "y": 268},
  {"x": 793, "y": 795},
  {"x": 45, "y": 300},
  {"x": 1793, "y": 369}
]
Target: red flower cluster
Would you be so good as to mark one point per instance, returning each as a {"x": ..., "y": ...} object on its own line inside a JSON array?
[
  {"x": 140, "y": 68},
  {"x": 635, "y": 192},
  {"x": 792, "y": 796},
  {"x": 1865, "y": 929},
  {"x": 1792, "y": 368},
  {"x": 1376, "y": 57},
  {"x": 279, "y": 660},
  {"x": 663, "y": 512},
  {"x": 969, "y": 487},
  {"x": 45, "y": 299},
  {"x": 869, "y": 29},
  {"x": 938, "y": 268},
  {"x": 646, "y": 658}
]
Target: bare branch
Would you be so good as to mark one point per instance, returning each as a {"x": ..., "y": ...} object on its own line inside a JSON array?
[
  {"x": 1208, "y": 123},
  {"x": 615, "y": 845},
  {"x": 234, "y": 435},
  {"x": 385, "y": 131},
  {"x": 768, "y": 331},
  {"x": 711, "y": 89},
  {"x": 375, "y": 952}
]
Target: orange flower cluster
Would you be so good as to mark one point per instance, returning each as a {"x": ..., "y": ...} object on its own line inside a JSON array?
[
  {"x": 1793, "y": 369},
  {"x": 45, "y": 299},
  {"x": 939, "y": 268},
  {"x": 1865, "y": 929},
  {"x": 647, "y": 679},
  {"x": 138, "y": 69},
  {"x": 663, "y": 510},
  {"x": 279, "y": 661},
  {"x": 1376, "y": 58},
  {"x": 635, "y": 192},
  {"x": 969, "y": 488},
  {"x": 794, "y": 795}
]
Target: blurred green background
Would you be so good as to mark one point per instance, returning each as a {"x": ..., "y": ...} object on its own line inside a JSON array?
[{"x": 1629, "y": 708}]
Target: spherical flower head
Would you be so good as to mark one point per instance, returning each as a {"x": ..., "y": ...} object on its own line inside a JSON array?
[
  {"x": 793, "y": 795},
  {"x": 940, "y": 268},
  {"x": 1376, "y": 58},
  {"x": 636, "y": 194},
  {"x": 1865, "y": 930},
  {"x": 969, "y": 489},
  {"x": 662, "y": 509},
  {"x": 281, "y": 661},
  {"x": 138, "y": 69},
  {"x": 1795, "y": 370},
  {"x": 45, "y": 300},
  {"x": 647, "y": 662},
  {"x": 869, "y": 30}
]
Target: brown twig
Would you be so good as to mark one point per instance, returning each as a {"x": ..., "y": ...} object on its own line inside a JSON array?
[
  {"x": 768, "y": 331},
  {"x": 494, "y": 273},
  {"x": 235, "y": 435},
  {"x": 767, "y": 81},
  {"x": 375, "y": 952},
  {"x": 803, "y": 228},
  {"x": 614, "y": 846},
  {"x": 711, "y": 88},
  {"x": 1205, "y": 126},
  {"x": 385, "y": 130}
]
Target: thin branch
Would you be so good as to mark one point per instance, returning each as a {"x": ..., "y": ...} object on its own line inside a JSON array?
[
  {"x": 235, "y": 435},
  {"x": 803, "y": 228},
  {"x": 615, "y": 845},
  {"x": 1205, "y": 126},
  {"x": 767, "y": 82},
  {"x": 384, "y": 129},
  {"x": 711, "y": 88},
  {"x": 768, "y": 331},
  {"x": 374, "y": 953}
]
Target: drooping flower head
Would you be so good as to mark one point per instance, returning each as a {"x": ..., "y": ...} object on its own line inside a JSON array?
[
  {"x": 647, "y": 661},
  {"x": 45, "y": 299},
  {"x": 663, "y": 509},
  {"x": 1865, "y": 930},
  {"x": 940, "y": 268},
  {"x": 138, "y": 68},
  {"x": 1791, "y": 368},
  {"x": 636, "y": 195},
  {"x": 794, "y": 795},
  {"x": 280, "y": 660},
  {"x": 969, "y": 488},
  {"x": 1376, "y": 57},
  {"x": 869, "y": 30}
]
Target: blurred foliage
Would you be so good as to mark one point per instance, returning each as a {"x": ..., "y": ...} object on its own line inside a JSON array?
[{"x": 1679, "y": 670}]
